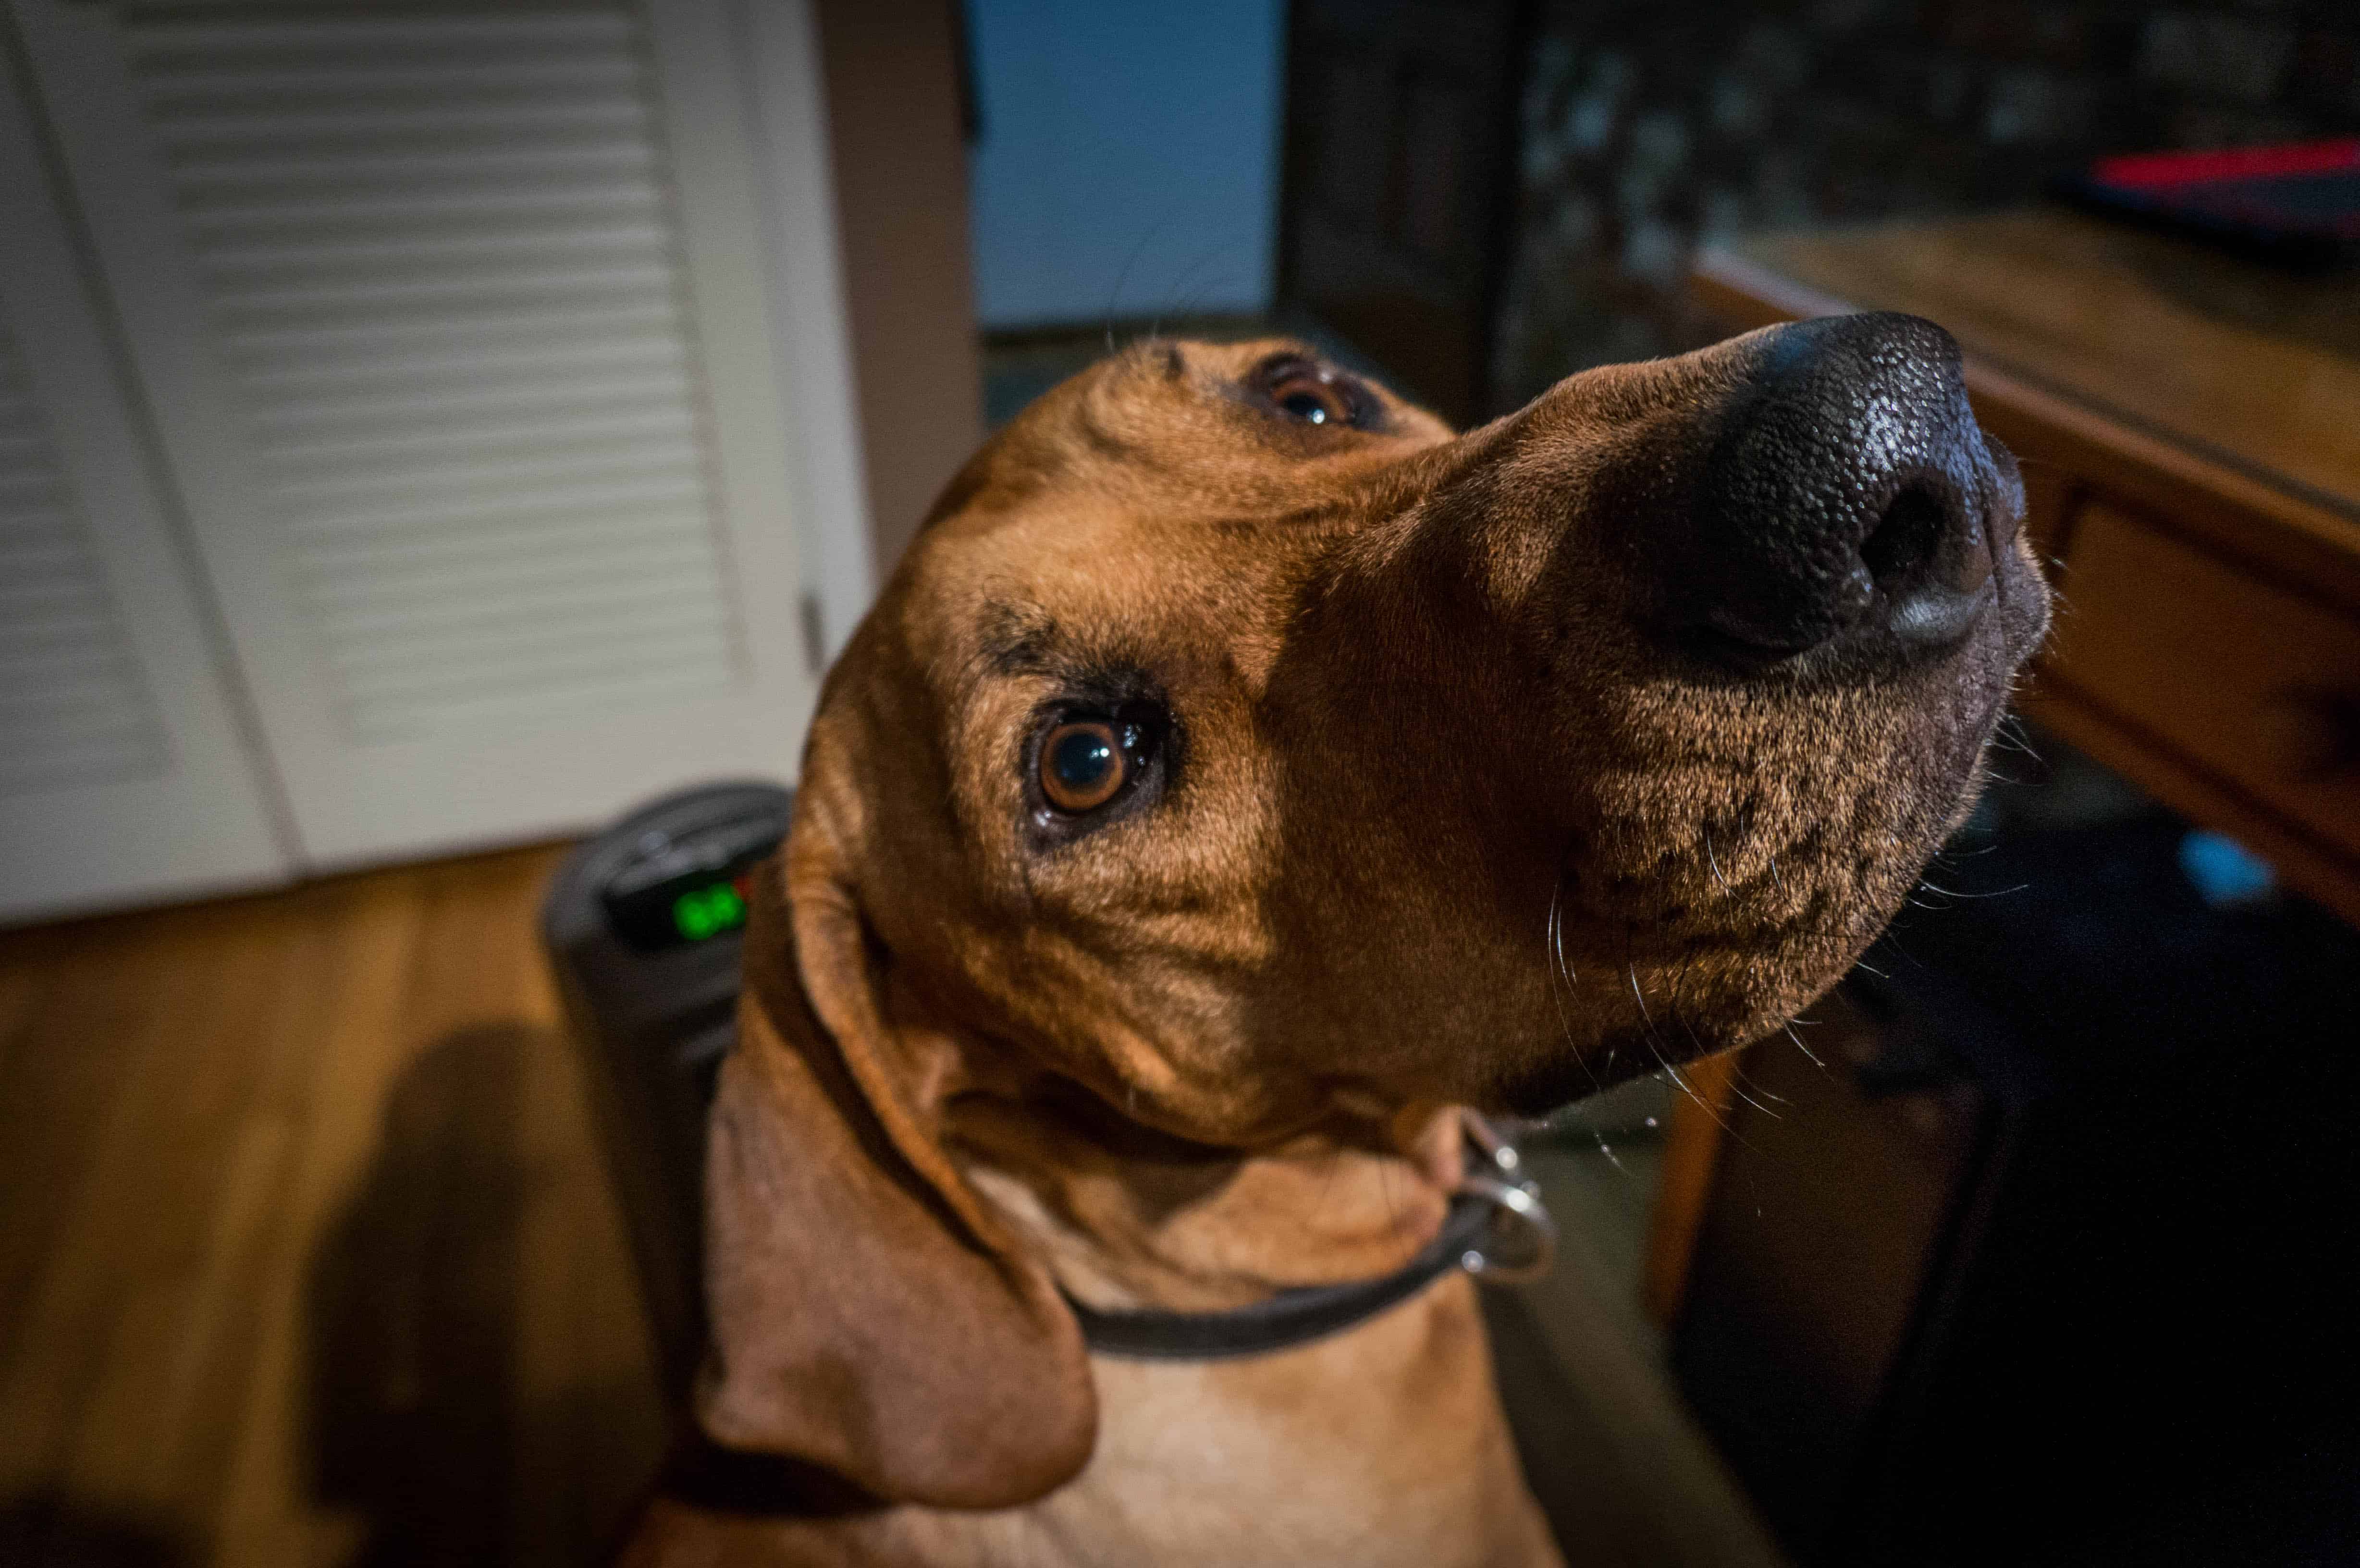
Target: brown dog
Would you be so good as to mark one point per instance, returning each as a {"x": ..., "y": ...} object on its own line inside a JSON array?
[{"x": 1240, "y": 773}]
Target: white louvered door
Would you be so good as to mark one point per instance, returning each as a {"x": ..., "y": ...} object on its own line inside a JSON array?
[
  {"x": 122, "y": 774},
  {"x": 455, "y": 324}
]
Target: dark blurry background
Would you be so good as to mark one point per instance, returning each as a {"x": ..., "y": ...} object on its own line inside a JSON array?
[
  {"x": 1645, "y": 129},
  {"x": 1484, "y": 196}
]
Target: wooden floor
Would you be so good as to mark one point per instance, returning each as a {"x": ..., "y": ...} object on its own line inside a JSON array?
[{"x": 305, "y": 1253}]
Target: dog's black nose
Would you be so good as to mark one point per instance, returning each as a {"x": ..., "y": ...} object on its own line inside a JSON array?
[{"x": 1847, "y": 495}]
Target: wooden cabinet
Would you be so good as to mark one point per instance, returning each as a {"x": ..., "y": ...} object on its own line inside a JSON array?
[
  {"x": 2249, "y": 677},
  {"x": 499, "y": 449}
]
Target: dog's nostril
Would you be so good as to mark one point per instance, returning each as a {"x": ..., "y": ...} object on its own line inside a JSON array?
[
  {"x": 1841, "y": 497},
  {"x": 1900, "y": 552}
]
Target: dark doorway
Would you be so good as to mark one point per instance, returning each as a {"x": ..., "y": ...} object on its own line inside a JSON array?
[{"x": 1397, "y": 208}]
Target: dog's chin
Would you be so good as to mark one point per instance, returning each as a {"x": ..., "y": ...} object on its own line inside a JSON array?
[
  {"x": 1704, "y": 981},
  {"x": 1537, "y": 1089},
  {"x": 1549, "y": 1083},
  {"x": 1544, "y": 1087},
  {"x": 1555, "y": 1078}
]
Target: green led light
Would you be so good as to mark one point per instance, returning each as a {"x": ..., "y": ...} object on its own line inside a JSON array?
[{"x": 701, "y": 912}]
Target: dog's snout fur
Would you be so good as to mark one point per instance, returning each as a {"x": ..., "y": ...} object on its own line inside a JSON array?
[
  {"x": 1241, "y": 770},
  {"x": 1820, "y": 488}
]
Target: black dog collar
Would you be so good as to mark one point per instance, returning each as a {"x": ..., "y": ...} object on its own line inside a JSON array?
[{"x": 1496, "y": 1229}]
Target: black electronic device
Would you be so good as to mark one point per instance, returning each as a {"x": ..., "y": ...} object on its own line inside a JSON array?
[{"x": 643, "y": 928}]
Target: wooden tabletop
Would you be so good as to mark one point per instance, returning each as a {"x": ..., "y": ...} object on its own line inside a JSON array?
[{"x": 2255, "y": 367}]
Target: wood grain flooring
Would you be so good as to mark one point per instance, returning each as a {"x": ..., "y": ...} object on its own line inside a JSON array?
[{"x": 306, "y": 1254}]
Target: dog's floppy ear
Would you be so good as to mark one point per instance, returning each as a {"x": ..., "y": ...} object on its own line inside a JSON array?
[{"x": 869, "y": 1312}]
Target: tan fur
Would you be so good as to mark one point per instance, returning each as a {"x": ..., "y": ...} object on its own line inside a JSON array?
[{"x": 1444, "y": 827}]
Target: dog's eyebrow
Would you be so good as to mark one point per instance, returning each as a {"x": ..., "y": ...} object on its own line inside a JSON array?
[{"x": 1021, "y": 640}]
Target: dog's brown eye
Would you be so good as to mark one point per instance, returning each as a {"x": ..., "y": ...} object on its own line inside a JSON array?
[
  {"x": 1090, "y": 767},
  {"x": 1305, "y": 397},
  {"x": 1082, "y": 765}
]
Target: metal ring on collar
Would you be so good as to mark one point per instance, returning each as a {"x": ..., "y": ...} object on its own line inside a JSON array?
[{"x": 1519, "y": 1204}]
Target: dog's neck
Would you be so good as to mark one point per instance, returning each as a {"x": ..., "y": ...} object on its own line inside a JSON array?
[{"x": 1128, "y": 1216}]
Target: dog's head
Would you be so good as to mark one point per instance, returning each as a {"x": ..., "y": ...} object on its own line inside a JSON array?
[{"x": 1239, "y": 743}]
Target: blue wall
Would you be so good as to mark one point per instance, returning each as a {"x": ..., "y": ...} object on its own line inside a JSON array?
[{"x": 1129, "y": 165}]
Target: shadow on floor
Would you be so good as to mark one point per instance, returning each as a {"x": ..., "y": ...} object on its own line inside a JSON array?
[
  {"x": 48, "y": 1531},
  {"x": 418, "y": 1419}
]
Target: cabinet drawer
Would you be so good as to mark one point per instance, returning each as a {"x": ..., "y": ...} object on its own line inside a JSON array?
[{"x": 2253, "y": 683}]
